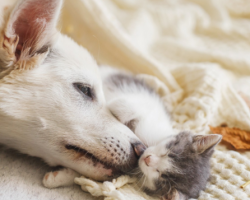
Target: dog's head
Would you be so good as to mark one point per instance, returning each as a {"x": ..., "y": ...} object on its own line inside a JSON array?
[{"x": 51, "y": 99}]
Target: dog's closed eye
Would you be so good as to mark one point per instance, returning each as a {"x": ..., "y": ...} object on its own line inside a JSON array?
[{"x": 85, "y": 90}]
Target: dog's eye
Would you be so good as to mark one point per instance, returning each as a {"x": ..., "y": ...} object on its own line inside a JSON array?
[{"x": 84, "y": 89}]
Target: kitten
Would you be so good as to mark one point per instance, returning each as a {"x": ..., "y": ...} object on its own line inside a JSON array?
[
  {"x": 175, "y": 166},
  {"x": 178, "y": 167}
]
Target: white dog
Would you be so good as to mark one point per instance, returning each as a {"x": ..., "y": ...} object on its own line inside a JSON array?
[{"x": 51, "y": 99}]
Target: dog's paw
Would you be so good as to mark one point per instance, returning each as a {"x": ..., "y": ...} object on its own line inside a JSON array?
[{"x": 63, "y": 177}]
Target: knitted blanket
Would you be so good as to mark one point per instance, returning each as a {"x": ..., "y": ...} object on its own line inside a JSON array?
[{"x": 200, "y": 53}]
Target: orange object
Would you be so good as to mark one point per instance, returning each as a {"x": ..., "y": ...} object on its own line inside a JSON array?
[{"x": 239, "y": 139}]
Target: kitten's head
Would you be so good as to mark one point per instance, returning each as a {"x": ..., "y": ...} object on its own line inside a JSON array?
[{"x": 178, "y": 167}]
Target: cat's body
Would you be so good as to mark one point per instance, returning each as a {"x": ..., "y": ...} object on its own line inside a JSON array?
[
  {"x": 174, "y": 166},
  {"x": 136, "y": 105}
]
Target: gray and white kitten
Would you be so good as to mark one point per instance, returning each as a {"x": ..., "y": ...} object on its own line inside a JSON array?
[
  {"x": 174, "y": 166},
  {"x": 178, "y": 167}
]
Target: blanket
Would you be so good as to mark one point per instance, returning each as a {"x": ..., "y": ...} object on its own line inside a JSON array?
[
  {"x": 21, "y": 178},
  {"x": 199, "y": 52}
]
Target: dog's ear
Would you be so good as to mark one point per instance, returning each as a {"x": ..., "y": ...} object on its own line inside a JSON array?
[
  {"x": 28, "y": 32},
  {"x": 175, "y": 195}
]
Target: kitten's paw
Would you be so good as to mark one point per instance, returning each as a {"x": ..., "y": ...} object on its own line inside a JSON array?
[
  {"x": 123, "y": 180},
  {"x": 63, "y": 177}
]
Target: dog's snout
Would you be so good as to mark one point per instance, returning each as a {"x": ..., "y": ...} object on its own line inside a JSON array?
[{"x": 139, "y": 148}]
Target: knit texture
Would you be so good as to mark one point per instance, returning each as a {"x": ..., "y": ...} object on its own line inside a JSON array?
[{"x": 200, "y": 53}]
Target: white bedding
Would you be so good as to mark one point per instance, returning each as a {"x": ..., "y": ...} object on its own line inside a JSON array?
[{"x": 21, "y": 179}]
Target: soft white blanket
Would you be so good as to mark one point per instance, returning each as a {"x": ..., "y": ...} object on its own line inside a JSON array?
[
  {"x": 199, "y": 49},
  {"x": 21, "y": 179}
]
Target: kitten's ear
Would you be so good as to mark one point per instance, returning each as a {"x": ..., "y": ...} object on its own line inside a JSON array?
[
  {"x": 175, "y": 195},
  {"x": 202, "y": 143},
  {"x": 29, "y": 30}
]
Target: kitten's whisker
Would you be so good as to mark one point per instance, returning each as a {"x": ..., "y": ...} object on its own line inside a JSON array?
[
  {"x": 144, "y": 177},
  {"x": 134, "y": 173},
  {"x": 139, "y": 181},
  {"x": 170, "y": 187},
  {"x": 173, "y": 182}
]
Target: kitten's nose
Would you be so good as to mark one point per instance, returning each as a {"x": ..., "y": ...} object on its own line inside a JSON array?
[
  {"x": 147, "y": 160},
  {"x": 139, "y": 149}
]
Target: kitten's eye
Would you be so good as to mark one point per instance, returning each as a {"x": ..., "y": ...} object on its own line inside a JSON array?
[
  {"x": 84, "y": 89},
  {"x": 171, "y": 155},
  {"x": 164, "y": 176}
]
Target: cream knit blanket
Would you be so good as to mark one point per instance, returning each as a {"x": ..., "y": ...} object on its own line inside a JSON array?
[{"x": 199, "y": 49}]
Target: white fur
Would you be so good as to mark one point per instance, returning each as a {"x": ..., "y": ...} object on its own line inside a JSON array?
[
  {"x": 152, "y": 120},
  {"x": 41, "y": 111},
  {"x": 59, "y": 178}
]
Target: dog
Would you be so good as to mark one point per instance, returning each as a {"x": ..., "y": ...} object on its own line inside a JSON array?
[{"x": 52, "y": 103}]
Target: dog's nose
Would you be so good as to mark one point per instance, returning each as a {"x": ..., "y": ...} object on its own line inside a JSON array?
[
  {"x": 136, "y": 150},
  {"x": 139, "y": 148}
]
